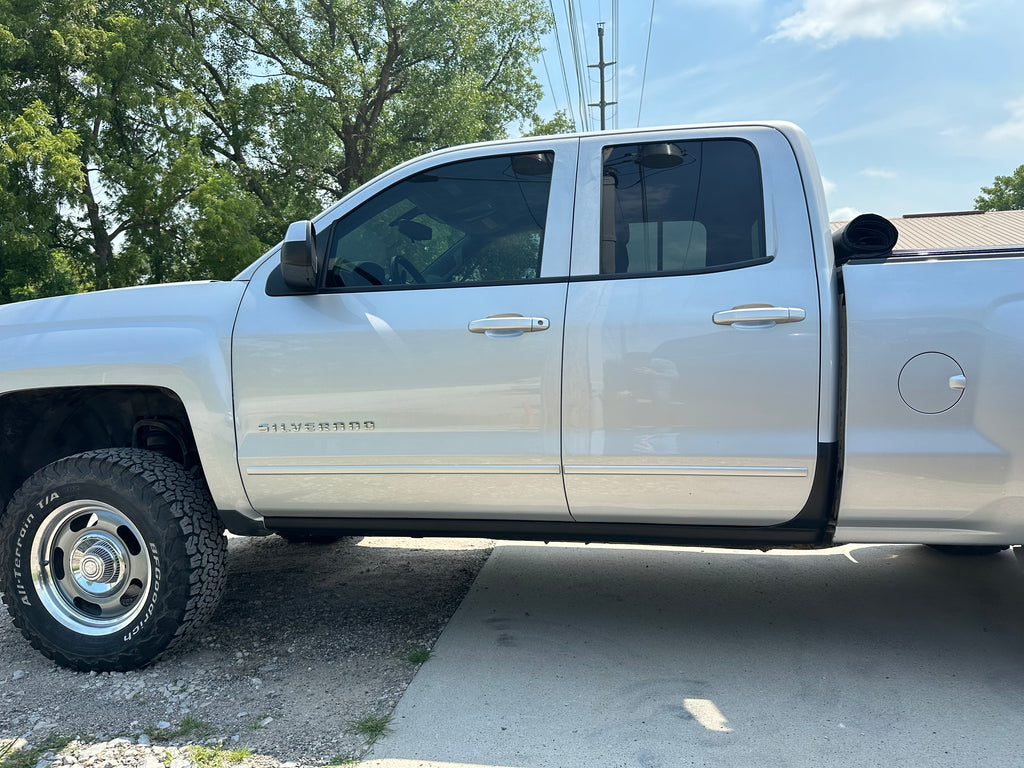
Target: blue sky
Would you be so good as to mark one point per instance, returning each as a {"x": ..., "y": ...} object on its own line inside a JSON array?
[{"x": 911, "y": 105}]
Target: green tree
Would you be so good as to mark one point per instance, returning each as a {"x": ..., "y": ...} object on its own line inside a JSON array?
[
  {"x": 110, "y": 161},
  {"x": 300, "y": 101},
  {"x": 370, "y": 84},
  {"x": 1005, "y": 194},
  {"x": 151, "y": 140},
  {"x": 559, "y": 123},
  {"x": 38, "y": 165}
]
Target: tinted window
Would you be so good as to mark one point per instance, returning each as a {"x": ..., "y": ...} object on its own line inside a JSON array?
[
  {"x": 680, "y": 207},
  {"x": 474, "y": 221}
]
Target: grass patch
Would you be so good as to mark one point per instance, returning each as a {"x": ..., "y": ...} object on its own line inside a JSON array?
[
  {"x": 371, "y": 727},
  {"x": 216, "y": 757},
  {"x": 10, "y": 757},
  {"x": 189, "y": 726},
  {"x": 418, "y": 655}
]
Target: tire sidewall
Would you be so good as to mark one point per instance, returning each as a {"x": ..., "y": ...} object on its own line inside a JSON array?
[{"x": 153, "y": 627}]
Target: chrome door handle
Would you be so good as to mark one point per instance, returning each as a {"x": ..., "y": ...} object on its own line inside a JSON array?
[
  {"x": 758, "y": 316},
  {"x": 508, "y": 325}
]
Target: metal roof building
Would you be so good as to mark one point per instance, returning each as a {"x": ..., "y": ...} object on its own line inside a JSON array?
[{"x": 935, "y": 231}]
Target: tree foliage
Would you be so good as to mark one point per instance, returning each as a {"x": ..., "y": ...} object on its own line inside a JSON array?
[
  {"x": 151, "y": 140},
  {"x": 1005, "y": 194},
  {"x": 559, "y": 123}
]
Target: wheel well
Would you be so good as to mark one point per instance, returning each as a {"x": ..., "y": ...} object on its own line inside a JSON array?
[{"x": 40, "y": 426}]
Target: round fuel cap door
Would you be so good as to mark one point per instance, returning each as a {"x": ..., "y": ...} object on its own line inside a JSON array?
[{"x": 932, "y": 382}]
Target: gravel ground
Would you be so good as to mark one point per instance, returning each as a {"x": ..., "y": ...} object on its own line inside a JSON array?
[{"x": 308, "y": 641}]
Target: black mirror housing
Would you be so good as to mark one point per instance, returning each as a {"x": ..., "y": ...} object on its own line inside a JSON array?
[{"x": 298, "y": 257}]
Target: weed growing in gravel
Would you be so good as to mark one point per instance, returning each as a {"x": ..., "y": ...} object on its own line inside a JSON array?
[
  {"x": 28, "y": 758},
  {"x": 371, "y": 727},
  {"x": 189, "y": 726},
  {"x": 343, "y": 760},
  {"x": 216, "y": 757},
  {"x": 418, "y": 655},
  {"x": 261, "y": 722}
]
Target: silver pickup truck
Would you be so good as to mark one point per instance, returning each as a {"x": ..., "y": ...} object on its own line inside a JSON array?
[{"x": 646, "y": 336}]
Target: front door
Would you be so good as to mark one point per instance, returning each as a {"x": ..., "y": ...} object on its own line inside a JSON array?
[{"x": 424, "y": 378}]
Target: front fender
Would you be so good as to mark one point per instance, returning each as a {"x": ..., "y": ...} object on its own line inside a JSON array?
[{"x": 176, "y": 337}]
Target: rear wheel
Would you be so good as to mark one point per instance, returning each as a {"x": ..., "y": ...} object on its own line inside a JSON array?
[
  {"x": 969, "y": 550},
  {"x": 110, "y": 556}
]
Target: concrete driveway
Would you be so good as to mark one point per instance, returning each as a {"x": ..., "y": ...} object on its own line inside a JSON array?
[{"x": 566, "y": 655}]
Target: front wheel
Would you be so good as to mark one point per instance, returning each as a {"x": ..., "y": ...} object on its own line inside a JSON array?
[{"x": 108, "y": 557}]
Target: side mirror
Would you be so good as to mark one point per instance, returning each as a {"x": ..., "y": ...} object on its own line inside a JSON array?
[{"x": 298, "y": 257}]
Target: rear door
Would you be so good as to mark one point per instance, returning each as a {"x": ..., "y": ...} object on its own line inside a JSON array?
[
  {"x": 424, "y": 379},
  {"x": 692, "y": 340}
]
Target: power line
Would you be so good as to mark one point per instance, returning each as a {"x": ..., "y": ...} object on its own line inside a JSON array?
[
  {"x": 643, "y": 81},
  {"x": 577, "y": 54},
  {"x": 561, "y": 59},
  {"x": 554, "y": 98},
  {"x": 582, "y": 32},
  {"x": 615, "y": 56}
]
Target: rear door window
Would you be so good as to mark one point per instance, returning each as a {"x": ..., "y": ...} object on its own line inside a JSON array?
[{"x": 681, "y": 207}]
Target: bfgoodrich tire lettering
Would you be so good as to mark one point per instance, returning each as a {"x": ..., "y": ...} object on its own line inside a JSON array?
[{"x": 110, "y": 556}]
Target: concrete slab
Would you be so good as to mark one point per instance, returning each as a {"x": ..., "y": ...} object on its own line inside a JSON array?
[{"x": 567, "y": 655}]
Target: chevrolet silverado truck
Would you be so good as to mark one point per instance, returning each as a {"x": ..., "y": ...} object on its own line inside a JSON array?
[{"x": 644, "y": 336}]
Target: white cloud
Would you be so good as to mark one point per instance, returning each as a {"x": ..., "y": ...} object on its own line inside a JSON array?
[
  {"x": 1012, "y": 129},
  {"x": 629, "y": 72},
  {"x": 833, "y": 21},
  {"x": 829, "y": 185},
  {"x": 878, "y": 173},
  {"x": 846, "y": 213}
]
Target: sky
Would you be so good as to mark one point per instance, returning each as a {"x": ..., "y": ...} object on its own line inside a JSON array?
[{"x": 911, "y": 105}]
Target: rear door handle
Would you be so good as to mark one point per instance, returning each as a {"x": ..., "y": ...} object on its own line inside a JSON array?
[
  {"x": 763, "y": 316},
  {"x": 508, "y": 325}
]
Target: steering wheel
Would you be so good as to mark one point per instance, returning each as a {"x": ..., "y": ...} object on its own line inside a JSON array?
[{"x": 398, "y": 265}]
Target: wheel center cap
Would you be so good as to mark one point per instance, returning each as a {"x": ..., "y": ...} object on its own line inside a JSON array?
[
  {"x": 96, "y": 561},
  {"x": 92, "y": 567}
]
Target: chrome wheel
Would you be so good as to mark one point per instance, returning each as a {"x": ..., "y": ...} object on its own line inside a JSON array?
[{"x": 90, "y": 567}]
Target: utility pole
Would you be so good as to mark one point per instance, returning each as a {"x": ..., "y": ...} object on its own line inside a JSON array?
[{"x": 601, "y": 64}]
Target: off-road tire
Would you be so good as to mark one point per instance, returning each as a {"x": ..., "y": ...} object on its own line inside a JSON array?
[
  {"x": 109, "y": 557},
  {"x": 969, "y": 550}
]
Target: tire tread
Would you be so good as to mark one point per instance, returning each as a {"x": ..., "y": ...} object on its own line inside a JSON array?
[{"x": 181, "y": 505}]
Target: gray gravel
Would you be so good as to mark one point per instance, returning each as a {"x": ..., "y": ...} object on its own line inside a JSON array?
[{"x": 308, "y": 640}]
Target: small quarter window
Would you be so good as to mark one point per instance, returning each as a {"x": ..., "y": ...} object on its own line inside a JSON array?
[
  {"x": 473, "y": 221},
  {"x": 678, "y": 207}
]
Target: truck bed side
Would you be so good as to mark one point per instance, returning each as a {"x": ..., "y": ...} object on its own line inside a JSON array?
[{"x": 934, "y": 432}]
